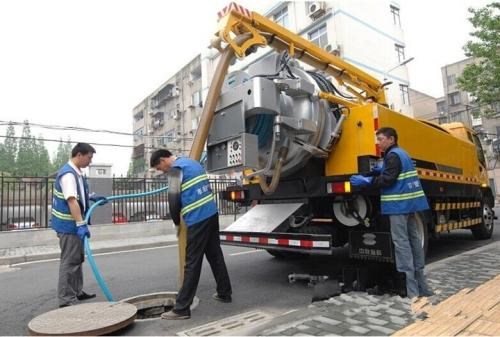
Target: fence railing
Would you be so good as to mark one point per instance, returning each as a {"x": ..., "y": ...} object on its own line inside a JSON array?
[{"x": 26, "y": 202}]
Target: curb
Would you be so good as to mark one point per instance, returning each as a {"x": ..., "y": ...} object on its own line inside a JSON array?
[{"x": 49, "y": 256}]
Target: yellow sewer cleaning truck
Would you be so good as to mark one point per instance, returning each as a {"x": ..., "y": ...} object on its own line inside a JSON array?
[{"x": 299, "y": 123}]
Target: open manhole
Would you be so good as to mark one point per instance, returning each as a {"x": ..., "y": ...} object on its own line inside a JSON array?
[{"x": 151, "y": 306}]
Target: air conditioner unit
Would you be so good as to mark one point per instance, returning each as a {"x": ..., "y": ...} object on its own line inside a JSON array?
[
  {"x": 316, "y": 9},
  {"x": 333, "y": 48},
  {"x": 151, "y": 112},
  {"x": 175, "y": 114},
  {"x": 157, "y": 123}
]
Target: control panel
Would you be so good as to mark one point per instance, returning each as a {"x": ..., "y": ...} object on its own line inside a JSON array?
[
  {"x": 234, "y": 152},
  {"x": 238, "y": 152}
]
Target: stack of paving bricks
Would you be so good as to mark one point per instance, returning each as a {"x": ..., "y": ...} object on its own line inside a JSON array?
[{"x": 470, "y": 312}]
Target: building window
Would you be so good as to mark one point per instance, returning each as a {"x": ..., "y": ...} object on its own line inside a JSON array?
[
  {"x": 401, "y": 52},
  {"x": 281, "y": 18},
  {"x": 395, "y": 16},
  {"x": 138, "y": 116},
  {"x": 101, "y": 172},
  {"x": 441, "y": 106},
  {"x": 405, "y": 96},
  {"x": 168, "y": 136},
  {"x": 319, "y": 36},
  {"x": 196, "y": 100},
  {"x": 138, "y": 134},
  {"x": 454, "y": 98},
  {"x": 451, "y": 79}
]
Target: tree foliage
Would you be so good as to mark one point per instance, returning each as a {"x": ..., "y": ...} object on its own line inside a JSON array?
[
  {"x": 8, "y": 152},
  {"x": 26, "y": 155},
  {"x": 482, "y": 78},
  {"x": 62, "y": 155}
]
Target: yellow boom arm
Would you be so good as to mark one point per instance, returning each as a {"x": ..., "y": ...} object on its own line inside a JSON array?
[{"x": 236, "y": 22}]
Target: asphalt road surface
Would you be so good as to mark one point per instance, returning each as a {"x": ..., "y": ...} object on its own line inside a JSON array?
[{"x": 260, "y": 282}]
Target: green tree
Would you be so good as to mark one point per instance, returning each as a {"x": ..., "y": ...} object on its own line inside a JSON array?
[
  {"x": 4, "y": 165},
  {"x": 26, "y": 155},
  {"x": 136, "y": 165},
  {"x": 42, "y": 164},
  {"x": 8, "y": 157},
  {"x": 482, "y": 78},
  {"x": 62, "y": 155}
]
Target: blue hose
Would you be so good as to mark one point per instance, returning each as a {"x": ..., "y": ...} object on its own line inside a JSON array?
[{"x": 88, "y": 251}]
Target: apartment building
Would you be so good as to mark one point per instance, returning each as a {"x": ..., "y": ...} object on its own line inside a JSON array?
[{"x": 367, "y": 34}]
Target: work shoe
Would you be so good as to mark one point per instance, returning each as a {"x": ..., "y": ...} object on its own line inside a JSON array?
[
  {"x": 173, "y": 315},
  {"x": 84, "y": 296},
  {"x": 223, "y": 299}
]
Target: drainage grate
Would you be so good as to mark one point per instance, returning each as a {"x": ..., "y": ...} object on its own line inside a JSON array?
[{"x": 230, "y": 325}]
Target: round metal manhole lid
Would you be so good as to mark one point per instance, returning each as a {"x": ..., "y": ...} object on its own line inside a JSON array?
[{"x": 90, "y": 319}]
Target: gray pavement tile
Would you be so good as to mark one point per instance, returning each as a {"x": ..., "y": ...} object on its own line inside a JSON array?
[
  {"x": 358, "y": 330},
  {"x": 376, "y": 321},
  {"x": 372, "y": 313},
  {"x": 395, "y": 312},
  {"x": 352, "y": 321},
  {"x": 348, "y": 312},
  {"x": 338, "y": 329},
  {"x": 398, "y": 320},
  {"x": 383, "y": 330},
  {"x": 312, "y": 331},
  {"x": 327, "y": 320}
]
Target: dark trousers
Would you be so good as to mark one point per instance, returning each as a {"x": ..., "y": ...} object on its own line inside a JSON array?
[
  {"x": 202, "y": 239},
  {"x": 70, "y": 270}
]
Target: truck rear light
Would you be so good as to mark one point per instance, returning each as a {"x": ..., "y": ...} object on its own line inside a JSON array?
[
  {"x": 339, "y": 187},
  {"x": 237, "y": 195}
]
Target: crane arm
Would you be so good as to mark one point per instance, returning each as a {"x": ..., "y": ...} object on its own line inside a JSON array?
[{"x": 235, "y": 21}]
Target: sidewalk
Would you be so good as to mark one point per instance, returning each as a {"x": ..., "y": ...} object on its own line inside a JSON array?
[
  {"x": 16, "y": 248},
  {"x": 360, "y": 314}
]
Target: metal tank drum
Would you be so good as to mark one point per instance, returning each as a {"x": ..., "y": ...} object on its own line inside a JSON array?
[{"x": 270, "y": 107}]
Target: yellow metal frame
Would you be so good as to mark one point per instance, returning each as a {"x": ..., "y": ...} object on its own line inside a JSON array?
[{"x": 265, "y": 32}]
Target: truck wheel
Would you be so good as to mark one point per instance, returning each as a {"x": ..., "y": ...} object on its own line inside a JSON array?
[
  {"x": 422, "y": 231},
  {"x": 484, "y": 230}
]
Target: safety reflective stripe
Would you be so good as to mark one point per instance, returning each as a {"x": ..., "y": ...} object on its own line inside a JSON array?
[
  {"x": 58, "y": 194},
  {"x": 61, "y": 196},
  {"x": 404, "y": 196},
  {"x": 193, "y": 181},
  {"x": 197, "y": 204},
  {"x": 62, "y": 216},
  {"x": 407, "y": 175}
]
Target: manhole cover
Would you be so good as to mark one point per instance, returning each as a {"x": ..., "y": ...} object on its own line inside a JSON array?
[
  {"x": 150, "y": 306},
  {"x": 90, "y": 319}
]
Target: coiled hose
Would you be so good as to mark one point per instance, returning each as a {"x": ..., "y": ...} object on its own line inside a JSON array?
[{"x": 88, "y": 250}]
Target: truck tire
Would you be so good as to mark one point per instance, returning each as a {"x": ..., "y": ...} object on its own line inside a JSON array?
[
  {"x": 484, "y": 230},
  {"x": 422, "y": 231}
]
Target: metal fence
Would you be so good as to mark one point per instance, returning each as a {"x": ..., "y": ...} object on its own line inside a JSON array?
[{"x": 26, "y": 202}]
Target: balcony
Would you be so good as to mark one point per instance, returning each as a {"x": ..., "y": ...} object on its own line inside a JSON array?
[{"x": 167, "y": 93}]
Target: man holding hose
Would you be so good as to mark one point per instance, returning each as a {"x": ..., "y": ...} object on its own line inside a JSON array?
[{"x": 70, "y": 202}]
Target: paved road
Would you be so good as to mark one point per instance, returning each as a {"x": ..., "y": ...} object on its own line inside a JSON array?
[{"x": 259, "y": 282}]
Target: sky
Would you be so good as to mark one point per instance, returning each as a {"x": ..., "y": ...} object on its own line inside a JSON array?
[{"x": 89, "y": 63}]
